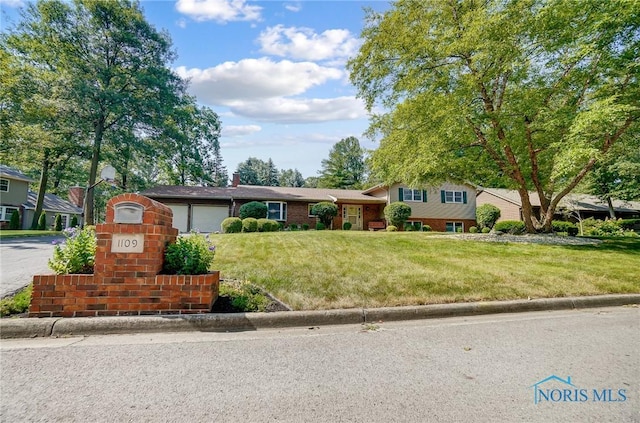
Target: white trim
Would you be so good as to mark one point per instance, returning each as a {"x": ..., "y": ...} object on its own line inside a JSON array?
[
  {"x": 8, "y": 182},
  {"x": 453, "y": 196},
  {"x": 455, "y": 224},
  {"x": 413, "y": 195},
  {"x": 282, "y": 212}
]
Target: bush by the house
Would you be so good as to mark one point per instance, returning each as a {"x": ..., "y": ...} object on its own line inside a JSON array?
[
  {"x": 391, "y": 228},
  {"x": 629, "y": 224},
  {"x": 426, "y": 228},
  {"x": 250, "y": 224},
  {"x": 325, "y": 211},
  {"x": 42, "y": 221},
  {"x": 189, "y": 255},
  {"x": 305, "y": 226},
  {"x": 346, "y": 226},
  {"x": 473, "y": 230},
  {"x": 268, "y": 225},
  {"x": 485, "y": 230},
  {"x": 14, "y": 223},
  {"x": 513, "y": 227},
  {"x": 560, "y": 226},
  {"x": 254, "y": 209},
  {"x": 244, "y": 297},
  {"x": 293, "y": 227},
  {"x": 320, "y": 226},
  {"x": 397, "y": 213},
  {"x": 487, "y": 215},
  {"x": 77, "y": 253},
  {"x": 609, "y": 227},
  {"x": 57, "y": 223},
  {"x": 231, "y": 225},
  {"x": 74, "y": 221}
]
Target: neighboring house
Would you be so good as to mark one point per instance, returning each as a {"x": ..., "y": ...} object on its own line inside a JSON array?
[
  {"x": 510, "y": 205},
  {"x": 204, "y": 208},
  {"x": 15, "y": 195},
  {"x": 14, "y": 187}
]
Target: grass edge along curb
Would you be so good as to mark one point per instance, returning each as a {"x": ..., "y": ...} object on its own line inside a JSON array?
[{"x": 81, "y": 326}]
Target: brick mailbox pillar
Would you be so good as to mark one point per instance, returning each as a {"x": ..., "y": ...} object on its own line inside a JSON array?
[{"x": 126, "y": 279}]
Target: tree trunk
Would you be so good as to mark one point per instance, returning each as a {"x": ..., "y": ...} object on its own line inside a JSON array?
[
  {"x": 612, "y": 212},
  {"x": 42, "y": 189},
  {"x": 95, "y": 160},
  {"x": 527, "y": 211}
]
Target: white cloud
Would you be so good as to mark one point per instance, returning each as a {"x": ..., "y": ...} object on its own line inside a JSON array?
[
  {"x": 12, "y": 3},
  {"x": 293, "y": 7},
  {"x": 182, "y": 23},
  {"x": 290, "y": 110},
  {"x": 239, "y": 130},
  {"x": 305, "y": 44},
  {"x": 221, "y": 11},
  {"x": 253, "y": 79}
]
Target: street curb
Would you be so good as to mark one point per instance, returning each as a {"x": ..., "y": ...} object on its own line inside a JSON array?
[{"x": 228, "y": 322}]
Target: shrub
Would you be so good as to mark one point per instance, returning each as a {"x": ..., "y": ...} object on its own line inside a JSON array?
[
  {"x": 513, "y": 227},
  {"x": 562, "y": 226},
  {"x": 487, "y": 215},
  {"x": 250, "y": 224},
  {"x": 77, "y": 253},
  {"x": 325, "y": 211},
  {"x": 42, "y": 221},
  {"x": 347, "y": 226},
  {"x": 268, "y": 225},
  {"x": 391, "y": 228},
  {"x": 397, "y": 213},
  {"x": 254, "y": 209},
  {"x": 14, "y": 223},
  {"x": 189, "y": 255},
  {"x": 293, "y": 227},
  {"x": 57, "y": 223},
  {"x": 609, "y": 227},
  {"x": 74, "y": 221},
  {"x": 426, "y": 228},
  {"x": 244, "y": 297},
  {"x": 320, "y": 226},
  {"x": 473, "y": 230},
  {"x": 231, "y": 225},
  {"x": 408, "y": 227},
  {"x": 628, "y": 224},
  {"x": 305, "y": 226},
  {"x": 485, "y": 230}
]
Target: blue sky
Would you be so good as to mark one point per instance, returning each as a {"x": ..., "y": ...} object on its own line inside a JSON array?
[{"x": 272, "y": 70}]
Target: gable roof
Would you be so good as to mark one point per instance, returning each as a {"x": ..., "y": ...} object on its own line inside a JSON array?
[
  {"x": 11, "y": 173},
  {"x": 52, "y": 203},
  {"x": 581, "y": 201},
  {"x": 254, "y": 192}
]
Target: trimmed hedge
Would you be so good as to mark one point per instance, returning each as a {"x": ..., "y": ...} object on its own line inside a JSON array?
[
  {"x": 250, "y": 224},
  {"x": 562, "y": 226},
  {"x": 254, "y": 209},
  {"x": 268, "y": 225},
  {"x": 231, "y": 225},
  {"x": 513, "y": 227}
]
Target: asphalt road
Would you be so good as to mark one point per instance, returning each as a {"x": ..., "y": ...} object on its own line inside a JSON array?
[
  {"x": 473, "y": 369},
  {"x": 21, "y": 258}
]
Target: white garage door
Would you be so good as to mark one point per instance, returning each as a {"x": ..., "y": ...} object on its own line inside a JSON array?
[
  {"x": 180, "y": 216},
  {"x": 208, "y": 218}
]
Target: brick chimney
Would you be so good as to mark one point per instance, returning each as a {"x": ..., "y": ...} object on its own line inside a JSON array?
[
  {"x": 76, "y": 196},
  {"x": 236, "y": 180}
]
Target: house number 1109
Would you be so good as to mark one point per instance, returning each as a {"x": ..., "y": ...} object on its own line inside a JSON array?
[{"x": 127, "y": 243}]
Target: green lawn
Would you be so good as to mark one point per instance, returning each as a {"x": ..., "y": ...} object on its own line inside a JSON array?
[
  {"x": 7, "y": 233},
  {"x": 343, "y": 269}
]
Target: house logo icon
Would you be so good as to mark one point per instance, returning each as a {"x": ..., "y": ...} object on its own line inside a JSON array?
[{"x": 539, "y": 393}]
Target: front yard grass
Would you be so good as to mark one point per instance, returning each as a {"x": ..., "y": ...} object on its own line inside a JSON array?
[{"x": 343, "y": 269}]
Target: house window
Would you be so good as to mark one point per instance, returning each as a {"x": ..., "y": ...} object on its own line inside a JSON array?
[
  {"x": 64, "y": 219},
  {"x": 411, "y": 225},
  {"x": 4, "y": 185},
  {"x": 277, "y": 211},
  {"x": 6, "y": 212},
  {"x": 412, "y": 195},
  {"x": 454, "y": 227},
  {"x": 309, "y": 207},
  {"x": 458, "y": 197}
]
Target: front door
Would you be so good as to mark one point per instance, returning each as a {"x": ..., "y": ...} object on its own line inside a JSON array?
[{"x": 352, "y": 214}]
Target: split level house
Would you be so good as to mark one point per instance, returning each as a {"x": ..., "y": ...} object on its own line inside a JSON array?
[
  {"x": 510, "y": 205},
  {"x": 16, "y": 196},
  {"x": 449, "y": 207}
]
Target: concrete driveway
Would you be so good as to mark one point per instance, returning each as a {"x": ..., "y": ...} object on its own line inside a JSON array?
[{"x": 21, "y": 258}]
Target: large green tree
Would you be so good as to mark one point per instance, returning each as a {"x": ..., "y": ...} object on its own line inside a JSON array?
[
  {"x": 254, "y": 171},
  {"x": 345, "y": 168},
  {"x": 109, "y": 64},
  {"x": 530, "y": 92}
]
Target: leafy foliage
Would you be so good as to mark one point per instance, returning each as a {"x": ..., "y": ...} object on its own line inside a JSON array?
[
  {"x": 397, "y": 213},
  {"x": 18, "y": 303},
  {"x": 609, "y": 227},
  {"x": 487, "y": 215},
  {"x": 533, "y": 92},
  {"x": 57, "y": 223},
  {"x": 250, "y": 224},
  {"x": 231, "y": 225},
  {"x": 42, "y": 222},
  {"x": 513, "y": 227},
  {"x": 345, "y": 168},
  {"x": 567, "y": 227},
  {"x": 268, "y": 225},
  {"x": 473, "y": 230},
  {"x": 245, "y": 297},
  {"x": 325, "y": 211},
  {"x": 14, "y": 223},
  {"x": 346, "y": 226},
  {"x": 77, "y": 253},
  {"x": 189, "y": 255},
  {"x": 255, "y": 209},
  {"x": 254, "y": 171}
]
